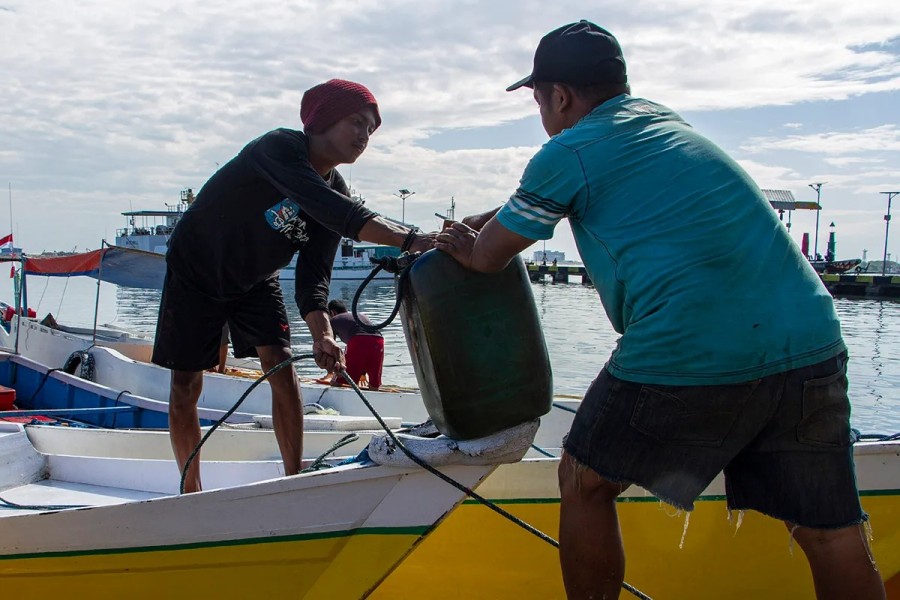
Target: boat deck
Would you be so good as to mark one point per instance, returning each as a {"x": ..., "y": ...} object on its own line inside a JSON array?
[{"x": 44, "y": 494}]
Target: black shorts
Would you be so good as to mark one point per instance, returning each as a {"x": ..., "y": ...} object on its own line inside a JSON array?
[
  {"x": 783, "y": 441},
  {"x": 190, "y": 326}
]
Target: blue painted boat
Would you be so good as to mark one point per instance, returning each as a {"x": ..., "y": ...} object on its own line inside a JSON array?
[{"x": 41, "y": 390}]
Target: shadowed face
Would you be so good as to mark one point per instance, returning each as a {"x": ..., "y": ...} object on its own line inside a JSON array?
[
  {"x": 346, "y": 140},
  {"x": 551, "y": 119}
]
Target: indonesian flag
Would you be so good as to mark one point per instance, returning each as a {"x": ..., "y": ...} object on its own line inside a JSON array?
[{"x": 6, "y": 242}]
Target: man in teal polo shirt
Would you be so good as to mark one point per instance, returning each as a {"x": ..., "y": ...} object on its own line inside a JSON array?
[{"x": 730, "y": 356}]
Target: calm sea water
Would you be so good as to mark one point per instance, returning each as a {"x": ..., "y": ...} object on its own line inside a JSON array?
[{"x": 578, "y": 335}]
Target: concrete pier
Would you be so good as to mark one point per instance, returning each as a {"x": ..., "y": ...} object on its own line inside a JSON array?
[
  {"x": 862, "y": 285},
  {"x": 559, "y": 273}
]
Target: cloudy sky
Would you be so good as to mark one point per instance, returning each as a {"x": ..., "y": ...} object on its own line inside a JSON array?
[{"x": 118, "y": 105}]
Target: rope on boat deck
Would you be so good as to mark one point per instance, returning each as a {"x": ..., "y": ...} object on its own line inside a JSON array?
[
  {"x": 542, "y": 451},
  {"x": 263, "y": 377},
  {"x": 40, "y": 507},
  {"x": 464, "y": 489},
  {"x": 319, "y": 463},
  {"x": 564, "y": 407}
]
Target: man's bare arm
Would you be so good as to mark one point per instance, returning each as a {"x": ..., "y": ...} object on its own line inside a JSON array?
[
  {"x": 488, "y": 251},
  {"x": 327, "y": 352},
  {"x": 382, "y": 231}
]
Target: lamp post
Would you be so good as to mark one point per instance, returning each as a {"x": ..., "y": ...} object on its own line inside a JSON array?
[
  {"x": 818, "y": 188},
  {"x": 887, "y": 228},
  {"x": 403, "y": 195}
]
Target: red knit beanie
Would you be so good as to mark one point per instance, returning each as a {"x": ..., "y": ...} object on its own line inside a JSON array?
[{"x": 327, "y": 103}]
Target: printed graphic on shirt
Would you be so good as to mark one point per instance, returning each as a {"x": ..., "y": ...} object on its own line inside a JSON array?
[{"x": 284, "y": 218}]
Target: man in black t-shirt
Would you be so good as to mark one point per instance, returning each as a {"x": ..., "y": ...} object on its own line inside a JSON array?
[
  {"x": 280, "y": 196},
  {"x": 365, "y": 349}
]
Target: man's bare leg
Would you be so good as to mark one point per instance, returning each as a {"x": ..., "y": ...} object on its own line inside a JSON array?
[
  {"x": 184, "y": 425},
  {"x": 287, "y": 406},
  {"x": 590, "y": 542},
  {"x": 841, "y": 562}
]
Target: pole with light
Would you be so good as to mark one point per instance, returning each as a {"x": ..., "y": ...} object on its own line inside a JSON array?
[
  {"x": 887, "y": 227},
  {"x": 818, "y": 188},
  {"x": 403, "y": 195}
]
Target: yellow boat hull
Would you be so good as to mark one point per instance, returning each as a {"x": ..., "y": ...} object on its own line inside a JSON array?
[
  {"x": 312, "y": 568},
  {"x": 477, "y": 554}
]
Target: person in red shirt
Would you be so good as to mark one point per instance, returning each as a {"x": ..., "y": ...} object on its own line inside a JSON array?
[{"x": 365, "y": 349}]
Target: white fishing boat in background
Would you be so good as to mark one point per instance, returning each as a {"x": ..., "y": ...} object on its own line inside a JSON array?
[
  {"x": 149, "y": 230},
  {"x": 352, "y": 262}
]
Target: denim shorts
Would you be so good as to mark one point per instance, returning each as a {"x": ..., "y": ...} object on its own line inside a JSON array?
[{"x": 783, "y": 441}]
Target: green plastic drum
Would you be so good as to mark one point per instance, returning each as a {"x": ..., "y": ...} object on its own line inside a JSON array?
[{"x": 477, "y": 346}]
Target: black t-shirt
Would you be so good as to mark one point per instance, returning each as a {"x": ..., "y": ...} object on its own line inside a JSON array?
[
  {"x": 258, "y": 210},
  {"x": 345, "y": 326}
]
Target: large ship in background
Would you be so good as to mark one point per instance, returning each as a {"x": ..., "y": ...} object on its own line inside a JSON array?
[{"x": 149, "y": 230}]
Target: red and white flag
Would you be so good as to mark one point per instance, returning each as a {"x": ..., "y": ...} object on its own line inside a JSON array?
[{"x": 6, "y": 242}]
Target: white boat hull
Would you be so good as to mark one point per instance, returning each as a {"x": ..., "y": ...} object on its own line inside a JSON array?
[{"x": 329, "y": 534}]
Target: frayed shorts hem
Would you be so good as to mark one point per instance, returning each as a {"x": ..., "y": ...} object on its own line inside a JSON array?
[
  {"x": 665, "y": 498},
  {"x": 864, "y": 518}
]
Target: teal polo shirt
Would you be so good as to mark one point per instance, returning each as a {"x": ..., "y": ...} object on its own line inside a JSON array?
[{"x": 692, "y": 265}]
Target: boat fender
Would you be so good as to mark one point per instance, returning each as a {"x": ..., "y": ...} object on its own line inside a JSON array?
[
  {"x": 505, "y": 446},
  {"x": 81, "y": 361}
]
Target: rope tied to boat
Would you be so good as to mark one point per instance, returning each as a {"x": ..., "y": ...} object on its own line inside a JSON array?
[
  {"x": 40, "y": 507},
  {"x": 399, "y": 444},
  {"x": 320, "y": 462},
  {"x": 398, "y": 265}
]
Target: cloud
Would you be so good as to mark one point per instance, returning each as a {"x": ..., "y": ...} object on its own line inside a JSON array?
[
  {"x": 885, "y": 138},
  {"x": 111, "y": 105},
  {"x": 846, "y": 161}
]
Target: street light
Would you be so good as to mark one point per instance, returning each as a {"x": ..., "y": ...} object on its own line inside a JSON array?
[
  {"x": 403, "y": 195},
  {"x": 818, "y": 188},
  {"x": 887, "y": 227}
]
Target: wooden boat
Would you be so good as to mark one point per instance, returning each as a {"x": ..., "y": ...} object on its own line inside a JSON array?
[
  {"x": 710, "y": 556},
  {"x": 115, "y": 528},
  {"x": 835, "y": 266},
  {"x": 128, "y": 366},
  {"x": 245, "y": 436},
  {"x": 121, "y": 368},
  {"x": 715, "y": 560}
]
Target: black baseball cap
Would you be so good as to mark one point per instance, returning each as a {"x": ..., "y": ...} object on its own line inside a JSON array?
[{"x": 579, "y": 53}]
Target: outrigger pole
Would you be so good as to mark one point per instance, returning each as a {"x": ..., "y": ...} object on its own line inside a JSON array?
[
  {"x": 21, "y": 300},
  {"x": 103, "y": 245}
]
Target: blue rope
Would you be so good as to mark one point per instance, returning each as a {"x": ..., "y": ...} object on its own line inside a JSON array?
[
  {"x": 542, "y": 451},
  {"x": 565, "y": 408}
]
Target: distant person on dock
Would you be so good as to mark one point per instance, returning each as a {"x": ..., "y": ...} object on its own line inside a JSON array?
[
  {"x": 280, "y": 196},
  {"x": 365, "y": 350},
  {"x": 730, "y": 356}
]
